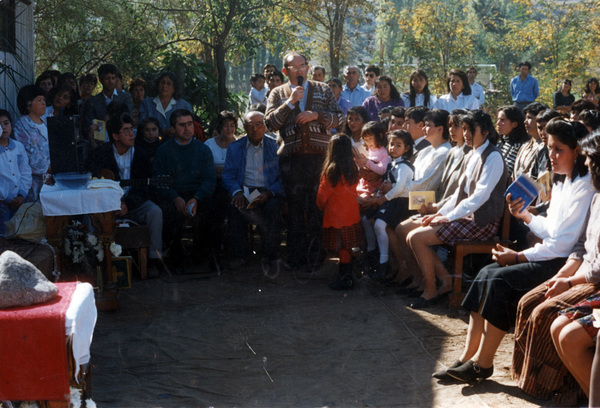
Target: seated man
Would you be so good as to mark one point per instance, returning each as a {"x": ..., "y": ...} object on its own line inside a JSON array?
[
  {"x": 252, "y": 163},
  {"x": 126, "y": 162},
  {"x": 190, "y": 164}
]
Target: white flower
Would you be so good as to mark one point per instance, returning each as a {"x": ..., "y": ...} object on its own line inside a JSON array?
[
  {"x": 115, "y": 249},
  {"x": 100, "y": 256},
  {"x": 92, "y": 239}
]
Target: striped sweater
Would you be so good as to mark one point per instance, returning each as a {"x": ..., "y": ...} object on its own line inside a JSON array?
[{"x": 310, "y": 138}]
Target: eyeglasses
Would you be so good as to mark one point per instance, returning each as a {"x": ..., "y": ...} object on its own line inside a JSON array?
[
  {"x": 370, "y": 75},
  {"x": 296, "y": 67},
  {"x": 254, "y": 124},
  {"x": 126, "y": 130}
]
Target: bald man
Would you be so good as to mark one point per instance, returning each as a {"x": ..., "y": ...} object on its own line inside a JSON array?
[{"x": 252, "y": 179}]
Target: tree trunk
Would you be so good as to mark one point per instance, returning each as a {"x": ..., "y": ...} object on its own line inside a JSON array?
[{"x": 219, "y": 52}]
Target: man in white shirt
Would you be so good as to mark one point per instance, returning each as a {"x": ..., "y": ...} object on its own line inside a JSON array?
[
  {"x": 476, "y": 90},
  {"x": 126, "y": 162},
  {"x": 372, "y": 72},
  {"x": 352, "y": 92}
]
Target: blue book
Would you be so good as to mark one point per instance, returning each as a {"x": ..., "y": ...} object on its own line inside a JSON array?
[{"x": 525, "y": 188}]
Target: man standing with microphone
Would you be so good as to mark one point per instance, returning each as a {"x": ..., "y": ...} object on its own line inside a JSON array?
[{"x": 303, "y": 112}]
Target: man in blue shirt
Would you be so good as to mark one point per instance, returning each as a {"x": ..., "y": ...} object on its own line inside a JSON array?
[
  {"x": 352, "y": 92},
  {"x": 524, "y": 88}
]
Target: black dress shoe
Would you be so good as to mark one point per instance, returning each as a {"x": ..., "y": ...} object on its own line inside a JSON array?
[
  {"x": 342, "y": 283},
  {"x": 422, "y": 303},
  {"x": 443, "y": 375},
  {"x": 470, "y": 372}
]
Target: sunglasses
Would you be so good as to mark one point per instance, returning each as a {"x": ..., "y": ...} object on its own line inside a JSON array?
[{"x": 370, "y": 75}]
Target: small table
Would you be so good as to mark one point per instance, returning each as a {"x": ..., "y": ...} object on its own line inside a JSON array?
[
  {"x": 45, "y": 348},
  {"x": 60, "y": 204}
]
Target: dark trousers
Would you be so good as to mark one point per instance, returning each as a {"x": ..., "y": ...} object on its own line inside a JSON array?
[
  {"x": 267, "y": 217},
  {"x": 300, "y": 175},
  {"x": 173, "y": 222}
]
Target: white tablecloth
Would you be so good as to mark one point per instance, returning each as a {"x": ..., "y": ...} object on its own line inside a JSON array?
[
  {"x": 80, "y": 321},
  {"x": 58, "y": 201}
]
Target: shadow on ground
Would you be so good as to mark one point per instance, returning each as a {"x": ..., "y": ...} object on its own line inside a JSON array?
[{"x": 242, "y": 339}]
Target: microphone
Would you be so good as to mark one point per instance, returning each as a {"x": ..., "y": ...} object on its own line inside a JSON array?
[{"x": 300, "y": 80}]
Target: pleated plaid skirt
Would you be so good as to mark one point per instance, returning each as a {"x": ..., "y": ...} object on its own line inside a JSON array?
[
  {"x": 350, "y": 237},
  {"x": 465, "y": 229}
]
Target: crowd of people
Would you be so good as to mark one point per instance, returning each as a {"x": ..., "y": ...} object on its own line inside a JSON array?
[{"x": 332, "y": 164}]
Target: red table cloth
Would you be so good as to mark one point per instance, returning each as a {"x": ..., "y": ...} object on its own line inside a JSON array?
[{"x": 33, "y": 353}]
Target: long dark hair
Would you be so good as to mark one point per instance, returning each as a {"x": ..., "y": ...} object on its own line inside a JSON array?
[
  {"x": 394, "y": 94},
  {"x": 355, "y": 110},
  {"x": 587, "y": 85},
  {"x": 569, "y": 134},
  {"x": 519, "y": 133},
  {"x": 339, "y": 164},
  {"x": 590, "y": 147},
  {"x": 463, "y": 77},
  {"x": 412, "y": 94}
]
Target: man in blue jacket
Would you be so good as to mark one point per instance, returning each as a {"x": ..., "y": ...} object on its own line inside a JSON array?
[{"x": 251, "y": 177}]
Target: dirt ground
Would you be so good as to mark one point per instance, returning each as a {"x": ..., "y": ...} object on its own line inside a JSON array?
[{"x": 256, "y": 338}]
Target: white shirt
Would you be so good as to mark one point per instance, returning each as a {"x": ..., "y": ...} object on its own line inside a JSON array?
[
  {"x": 429, "y": 168},
  {"x": 565, "y": 221},
  {"x": 124, "y": 163},
  {"x": 419, "y": 100},
  {"x": 478, "y": 92},
  {"x": 218, "y": 152},
  {"x": 490, "y": 174},
  {"x": 254, "y": 176},
  {"x": 366, "y": 88},
  {"x": 108, "y": 100},
  {"x": 160, "y": 108},
  {"x": 448, "y": 103},
  {"x": 403, "y": 175},
  {"x": 15, "y": 173}
]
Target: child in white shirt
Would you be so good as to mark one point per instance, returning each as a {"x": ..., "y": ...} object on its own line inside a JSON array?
[{"x": 258, "y": 93}]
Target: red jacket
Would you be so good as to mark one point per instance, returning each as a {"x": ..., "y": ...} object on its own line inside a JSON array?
[{"x": 338, "y": 204}]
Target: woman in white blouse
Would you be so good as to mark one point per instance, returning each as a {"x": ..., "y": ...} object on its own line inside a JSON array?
[
  {"x": 419, "y": 94},
  {"x": 225, "y": 128},
  {"x": 494, "y": 294},
  {"x": 429, "y": 161},
  {"x": 459, "y": 93}
]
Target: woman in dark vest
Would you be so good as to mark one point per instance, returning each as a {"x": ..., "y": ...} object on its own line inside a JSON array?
[{"x": 473, "y": 212}]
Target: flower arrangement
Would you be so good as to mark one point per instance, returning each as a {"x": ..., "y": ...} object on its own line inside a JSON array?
[{"x": 80, "y": 242}]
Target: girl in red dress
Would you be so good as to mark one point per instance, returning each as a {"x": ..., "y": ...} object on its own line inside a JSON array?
[{"x": 337, "y": 198}]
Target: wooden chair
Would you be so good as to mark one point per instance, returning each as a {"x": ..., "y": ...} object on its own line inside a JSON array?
[
  {"x": 464, "y": 248},
  {"x": 138, "y": 238}
]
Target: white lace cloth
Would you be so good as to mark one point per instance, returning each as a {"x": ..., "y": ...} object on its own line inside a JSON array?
[{"x": 101, "y": 196}]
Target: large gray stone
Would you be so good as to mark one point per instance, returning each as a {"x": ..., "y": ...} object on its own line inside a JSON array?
[{"x": 21, "y": 283}]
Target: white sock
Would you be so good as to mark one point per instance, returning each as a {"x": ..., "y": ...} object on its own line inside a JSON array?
[{"x": 382, "y": 240}]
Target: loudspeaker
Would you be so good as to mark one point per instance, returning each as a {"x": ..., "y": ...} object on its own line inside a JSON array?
[{"x": 66, "y": 153}]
